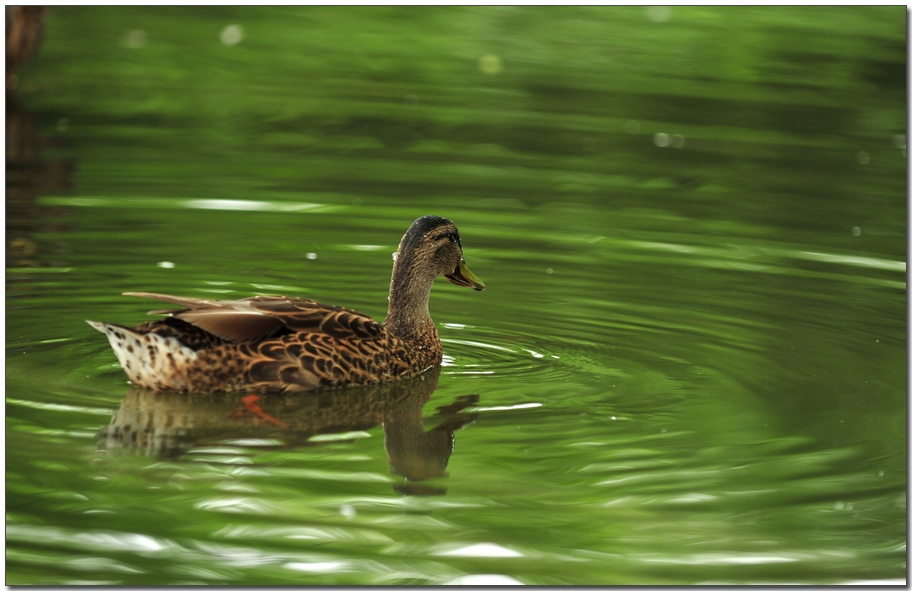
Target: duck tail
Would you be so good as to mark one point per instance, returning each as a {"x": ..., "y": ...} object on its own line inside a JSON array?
[{"x": 149, "y": 360}]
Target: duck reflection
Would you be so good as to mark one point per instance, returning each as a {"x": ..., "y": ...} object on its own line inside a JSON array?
[{"x": 167, "y": 425}]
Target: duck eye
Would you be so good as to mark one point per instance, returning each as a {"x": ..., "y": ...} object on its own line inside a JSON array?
[{"x": 452, "y": 237}]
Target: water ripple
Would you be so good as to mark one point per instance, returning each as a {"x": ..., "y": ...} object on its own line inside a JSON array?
[
  {"x": 500, "y": 353},
  {"x": 761, "y": 258}
]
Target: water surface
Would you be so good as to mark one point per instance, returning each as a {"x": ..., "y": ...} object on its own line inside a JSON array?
[{"x": 689, "y": 365}]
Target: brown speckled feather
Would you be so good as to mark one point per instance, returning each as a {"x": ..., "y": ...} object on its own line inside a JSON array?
[{"x": 277, "y": 343}]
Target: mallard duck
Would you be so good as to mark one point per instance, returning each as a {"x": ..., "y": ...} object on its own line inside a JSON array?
[{"x": 287, "y": 344}]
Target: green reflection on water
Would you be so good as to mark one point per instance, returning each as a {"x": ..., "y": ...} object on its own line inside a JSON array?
[{"x": 689, "y": 362}]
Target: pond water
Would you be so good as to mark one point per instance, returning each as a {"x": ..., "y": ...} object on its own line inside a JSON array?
[{"x": 689, "y": 365}]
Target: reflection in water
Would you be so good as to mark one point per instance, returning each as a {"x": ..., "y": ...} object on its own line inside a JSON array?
[
  {"x": 168, "y": 425},
  {"x": 30, "y": 175},
  {"x": 24, "y": 33}
]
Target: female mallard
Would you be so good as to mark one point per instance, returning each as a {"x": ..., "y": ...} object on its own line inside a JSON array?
[{"x": 285, "y": 344}]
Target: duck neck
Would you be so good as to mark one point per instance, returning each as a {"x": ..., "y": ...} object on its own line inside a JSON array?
[{"x": 408, "y": 317}]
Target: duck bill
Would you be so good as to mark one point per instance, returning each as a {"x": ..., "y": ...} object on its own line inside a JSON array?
[{"x": 462, "y": 276}]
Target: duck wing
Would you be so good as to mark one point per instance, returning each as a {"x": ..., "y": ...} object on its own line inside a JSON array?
[
  {"x": 309, "y": 316},
  {"x": 262, "y": 317}
]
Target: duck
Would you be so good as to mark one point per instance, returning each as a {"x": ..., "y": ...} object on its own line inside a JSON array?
[{"x": 282, "y": 344}]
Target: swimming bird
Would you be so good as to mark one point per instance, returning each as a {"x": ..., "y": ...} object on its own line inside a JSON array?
[{"x": 289, "y": 344}]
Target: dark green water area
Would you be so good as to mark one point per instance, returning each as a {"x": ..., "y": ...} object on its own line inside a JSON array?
[{"x": 689, "y": 365}]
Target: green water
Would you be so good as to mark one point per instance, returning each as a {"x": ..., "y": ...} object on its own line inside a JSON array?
[{"x": 689, "y": 365}]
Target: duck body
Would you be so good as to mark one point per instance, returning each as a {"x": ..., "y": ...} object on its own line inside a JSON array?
[{"x": 288, "y": 344}]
